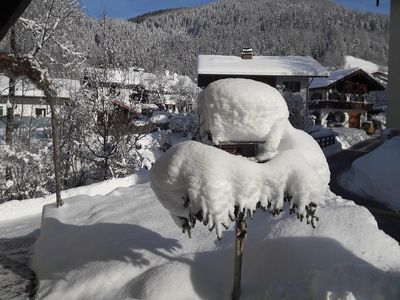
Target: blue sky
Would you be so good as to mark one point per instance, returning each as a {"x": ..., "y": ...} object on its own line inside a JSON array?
[
  {"x": 125, "y": 9},
  {"x": 367, "y": 5}
]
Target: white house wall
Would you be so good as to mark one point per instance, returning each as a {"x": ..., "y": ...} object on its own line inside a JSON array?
[
  {"x": 303, "y": 81},
  {"x": 26, "y": 106}
]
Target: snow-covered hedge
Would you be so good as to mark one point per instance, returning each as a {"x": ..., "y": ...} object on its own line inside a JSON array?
[{"x": 184, "y": 122}]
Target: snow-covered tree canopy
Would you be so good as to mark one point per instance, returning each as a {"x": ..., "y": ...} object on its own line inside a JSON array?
[{"x": 197, "y": 181}]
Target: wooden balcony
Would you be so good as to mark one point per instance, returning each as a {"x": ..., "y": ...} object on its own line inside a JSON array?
[{"x": 343, "y": 105}]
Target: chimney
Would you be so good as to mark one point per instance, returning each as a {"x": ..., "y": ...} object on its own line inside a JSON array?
[{"x": 247, "y": 53}]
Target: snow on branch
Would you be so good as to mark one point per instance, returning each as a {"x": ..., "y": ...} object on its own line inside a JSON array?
[
  {"x": 200, "y": 182},
  {"x": 25, "y": 66}
]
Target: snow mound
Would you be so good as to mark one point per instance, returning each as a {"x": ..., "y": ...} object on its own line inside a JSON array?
[
  {"x": 242, "y": 110},
  {"x": 124, "y": 246},
  {"x": 22, "y": 208},
  {"x": 378, "y": 174},
  {"x": 354, "y": 62}
]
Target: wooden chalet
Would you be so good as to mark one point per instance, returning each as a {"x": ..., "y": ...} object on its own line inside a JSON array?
[{"x": 341, "y": 99}]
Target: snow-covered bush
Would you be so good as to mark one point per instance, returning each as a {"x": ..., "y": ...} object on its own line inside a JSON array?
[
  {"x": 197, "y": 181},
  {"x": 184, "y": 122},
  {"x": 297, "y": 109},
  {"x": 31, "y": 173}
]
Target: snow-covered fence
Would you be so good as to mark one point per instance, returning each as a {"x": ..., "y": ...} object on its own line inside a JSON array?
[{"x": 325, "y": 141}]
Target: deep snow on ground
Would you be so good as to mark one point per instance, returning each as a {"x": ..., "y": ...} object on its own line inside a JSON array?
[
  {"x": 377, "y": 174},
  {"x": 124, "y": 245},
  {"x": 19, "y": 229},
  {"x": 16, "y": 209}
]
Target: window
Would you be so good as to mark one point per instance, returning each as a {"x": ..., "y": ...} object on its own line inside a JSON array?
[
  {"x": 1, "y": 111},
  {"x": 40, "y": 112},
  {"x": 292, "y": 86}
]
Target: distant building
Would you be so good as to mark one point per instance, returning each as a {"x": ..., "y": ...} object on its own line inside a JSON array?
[
  {"x": 290, "y": 73},
  {"x": 134, "y": 87},
  {"x": 341, "y": 98},
  {"x": 29, "y": 101}
]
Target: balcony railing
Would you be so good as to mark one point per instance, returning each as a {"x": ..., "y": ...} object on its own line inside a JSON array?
[{"x": 334, "y": 104}]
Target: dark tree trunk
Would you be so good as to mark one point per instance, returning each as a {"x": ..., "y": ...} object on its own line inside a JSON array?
[
  {"x": 10, "y": 104},
  {"x": 10, "y": 121},
  {"x": 10, "y": 112},
  {"x": 22, "y": 66},
  {"x": 55, "y": 129}
]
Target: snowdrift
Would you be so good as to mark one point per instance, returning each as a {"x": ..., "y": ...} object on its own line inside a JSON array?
[
  {"x": 124, "y": 245},
  {"x": 377, "y": 173}
]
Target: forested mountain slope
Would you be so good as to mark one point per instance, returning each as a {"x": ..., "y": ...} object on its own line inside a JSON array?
[
  {"x": 172, "y": 39},
  {"x": 272, "y": 27}
]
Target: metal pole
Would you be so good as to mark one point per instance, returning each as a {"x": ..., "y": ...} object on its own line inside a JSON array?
[{"x": 240, "y": 232}]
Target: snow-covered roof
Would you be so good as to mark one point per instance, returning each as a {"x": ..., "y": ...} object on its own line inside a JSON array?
[
  {"x": 25, "y": 88},
  {"x": 337, "y": 75},
  {"x": 134, "y": 76},
  {"x": 260, "y": 66}
]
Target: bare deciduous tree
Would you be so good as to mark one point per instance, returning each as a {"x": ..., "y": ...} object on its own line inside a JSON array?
[{"x": 41, "y": 25}]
